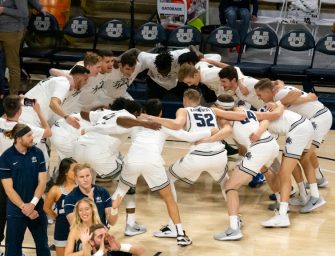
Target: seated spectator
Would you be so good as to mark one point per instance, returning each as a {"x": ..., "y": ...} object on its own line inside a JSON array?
[{"x": 232, "y": 10}]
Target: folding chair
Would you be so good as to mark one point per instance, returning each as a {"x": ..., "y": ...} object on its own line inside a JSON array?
[
  {"x": 291, "y": 63},
  {"x": 259, "y": 43},
  {"x": 184, "y": 36},
  {"x": 78, "y": 37},
  {"x": 151, "y": 35}
]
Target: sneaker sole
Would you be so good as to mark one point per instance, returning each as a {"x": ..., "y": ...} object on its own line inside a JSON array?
[
  {"x": 134, "y": 233},
  {"x": 314, "y": 207},
  {"x": 230, "y": 238},
  {"x": 184, "y": 244},
  {"x": 276, "y": 226},
  {"x": 164, "y": 236}
]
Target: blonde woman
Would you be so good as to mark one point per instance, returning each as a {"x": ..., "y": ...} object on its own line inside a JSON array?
[{"x": 85, "y": 215}]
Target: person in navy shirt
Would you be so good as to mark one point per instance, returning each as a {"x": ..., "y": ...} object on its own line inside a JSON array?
[
  {"x": 23, "y": 176},
  {"x": 107, "y": 209}
]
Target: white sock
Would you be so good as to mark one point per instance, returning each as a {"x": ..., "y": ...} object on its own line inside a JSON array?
[
  {"x": 278, "y": 197},
  {"x": 302, "y": 190},
  {"x": 180, "y": 230},
  {"x": 283, "y": 208},
  {"x": 318, "y": 173},
  {"x": 233, "y": 219},
  {"x": 314, "y": 190},
  {"x": 131, "y": 219},
  {"x": 171, "y": 225}
]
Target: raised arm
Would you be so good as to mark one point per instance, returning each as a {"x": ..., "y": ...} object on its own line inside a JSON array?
[
  {"x": 229, "y": 115},
  {"x": 290, "y": 97},
  {"x": 222, "y": 134},
  {"x": 273, "y": 115},
  {"x": 128, "y": 122},
  {"x": 56, "y": 107}
]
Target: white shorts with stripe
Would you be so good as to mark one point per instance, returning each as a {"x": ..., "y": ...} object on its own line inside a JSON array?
[
  {"x": 261, "y": 153},
  {"x": 322, "y": 122},
  {"x": 189, "y": 167},
  {"x": 100, "y": 157},
  {"x": 299, "y": 138},
  {"x": 154, "y": 174}
]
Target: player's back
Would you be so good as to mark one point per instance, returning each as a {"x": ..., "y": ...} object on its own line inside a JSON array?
[
  {"x": 243, "y": 129},
  {"x": 201, "y": 118}
]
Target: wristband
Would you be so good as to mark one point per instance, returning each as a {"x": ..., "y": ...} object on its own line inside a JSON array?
[
  {"x": 99, "y": 253},
  {"x": 125, "y": 247},
  {"x": 114, "y": 211},
  {"x": 66, "y": 116},
  {"x": 35, "y": 200}
]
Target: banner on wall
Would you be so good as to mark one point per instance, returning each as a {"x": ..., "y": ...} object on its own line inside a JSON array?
[{"x": 174, "y": 13}]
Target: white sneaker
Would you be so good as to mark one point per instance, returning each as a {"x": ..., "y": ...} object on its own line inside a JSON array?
[
  {"x": 134, "y": 230},
  {"x": 298, "y": 200},
  {"x": 281, "y": 221},
  {"x": 312, "y": 204},
  {"x": 166, "y": 231},
  {"x": 322, "y": 183},
  {"x": 229, "y": 235}
]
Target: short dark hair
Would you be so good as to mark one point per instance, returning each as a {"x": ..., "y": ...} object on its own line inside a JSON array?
[
  {"x": 118, "y": 104},
  {"x": 226, "y": 98},
  {"x": 133, "y": 107},
  {"x": 228, "y": 72},
  {"x": 128, "y": 58},
  {"x": 153, "y": 107},
  {"x": 11, "y": 105},
  {"x": 79, "y": 70},
  {"x": 163, "y": 61},
  {"x": 188, "y": 57}
]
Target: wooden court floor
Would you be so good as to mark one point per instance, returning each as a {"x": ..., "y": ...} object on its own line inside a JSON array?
[{"x": 204, "y": 212}]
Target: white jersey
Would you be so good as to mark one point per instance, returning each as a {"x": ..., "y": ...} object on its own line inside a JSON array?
[
  {"x": 147, "y": 144},
  {"x": 6, "y": 143},
  {"x": 115, "y": 85},
  {"x": 88, "y": 97},
  {"x": 308, "y": 109},
  {"x": 103, "y": 123},
  {"x": 243, "y": 129},
  {"x": 147, "y": 61},
  {"x": 58, "y": 87},
  {"x": 249, "y": 82},
  {"x": 287, "y": 121},
  {"x": 64, "y": 135},
  {"x": 210, "y": 76},
  {"x": 199, "y": 119}
]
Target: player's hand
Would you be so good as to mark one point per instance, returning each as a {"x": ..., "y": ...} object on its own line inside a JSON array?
[
  {"x": 33, "y": 215},
  {"x": 205, "y": 140},
  {"x": 152, "y": 125},
  {"x": 271, "y": 106},
  {"x": 113, "y": 244},
  {"x": 117, "y": 201},
  {"x": 27, "y": 209},
  {"x": 73, "y": 122},
  {"x": 82, "y": 132},
  {"x": 254, "y": 137}
]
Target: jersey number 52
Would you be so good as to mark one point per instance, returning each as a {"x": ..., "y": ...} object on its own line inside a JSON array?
[{"x": 204, "y": 120}]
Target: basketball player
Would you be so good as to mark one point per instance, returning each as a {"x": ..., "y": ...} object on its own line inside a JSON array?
[
  {"x": 84, "y": 97},
  {"x": 297, "y": 141},
  {"x": 260, "y": 153},
  {"x": 144, "y": 158},
  {"x": 210, "y": 157},
  {"x": 99, "y": 146},
  {"x": 51, "y": 94}
]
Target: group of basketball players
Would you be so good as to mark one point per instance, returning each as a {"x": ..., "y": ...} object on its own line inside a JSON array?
[{"x": 91, "y": 115}]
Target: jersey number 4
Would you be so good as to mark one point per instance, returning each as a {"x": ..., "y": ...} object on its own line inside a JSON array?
[
  {"x": 204, "y": 120},
  {"x": 250, "y": 115}
]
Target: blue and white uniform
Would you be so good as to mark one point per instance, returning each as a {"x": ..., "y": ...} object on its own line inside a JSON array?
[
  {"x": 260, "y": 153},
  {"x": 24, "y": 170},
  {"x": 102, "y": 200},
  {"x": 62, "y": 226},
  {"x": 315, "y": 111},
  {"x": 210, "y": 157}
]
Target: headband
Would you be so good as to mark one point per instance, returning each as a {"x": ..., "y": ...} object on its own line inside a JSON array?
[
  {"x": 22, "y": 132},
  {"x": 225, "y": 105}
]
